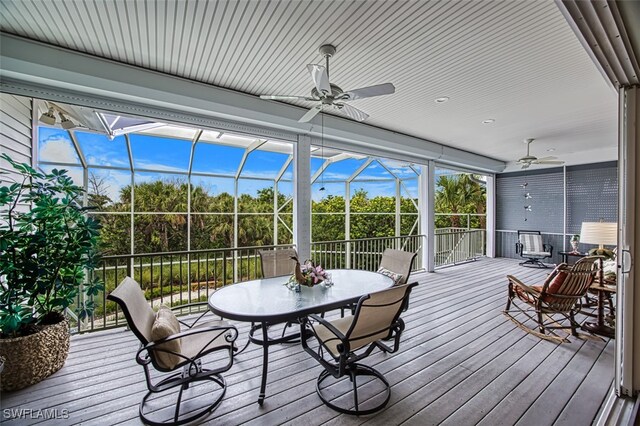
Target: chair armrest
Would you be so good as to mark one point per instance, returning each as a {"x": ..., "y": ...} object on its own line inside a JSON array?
[
  {"x": 194, "y": 331},
  {"x": 521, "y": 285},
  {"x": 191, "y": 305},
  {"x": 329, "y": 326},
  {"x": 154, "y": 346},
  {"x": 518, "y": 247}
]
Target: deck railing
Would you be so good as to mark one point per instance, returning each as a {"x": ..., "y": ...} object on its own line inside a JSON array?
[
  {"x": 364, "y": 253},
  {"x": 173, "y": 278},
  {"x": 183, "y": 277},
  {"x": 456, "y": 245}
]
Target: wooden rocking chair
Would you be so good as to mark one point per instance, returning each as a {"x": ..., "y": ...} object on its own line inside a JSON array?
[{"x": 559, "y": 295}]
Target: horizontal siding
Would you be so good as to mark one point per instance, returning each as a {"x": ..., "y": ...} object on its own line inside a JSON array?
[{"x": 15, "y": 133}]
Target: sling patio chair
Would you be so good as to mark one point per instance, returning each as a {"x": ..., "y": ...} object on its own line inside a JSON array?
[
  {"x": 342, "y": 343},
  {"x": 531, "y": 247},
  {"x": 559, "y": 295},
  {"x": 397, "y": 265},
  {"x": 179, "y": 354},
  {"x": 278, "y": 262}
]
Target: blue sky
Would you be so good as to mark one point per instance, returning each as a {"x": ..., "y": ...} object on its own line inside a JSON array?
[{"x": 172, "y": 155}]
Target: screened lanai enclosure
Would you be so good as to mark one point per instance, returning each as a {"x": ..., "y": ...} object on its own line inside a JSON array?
[{"x": 185, "y": 210}]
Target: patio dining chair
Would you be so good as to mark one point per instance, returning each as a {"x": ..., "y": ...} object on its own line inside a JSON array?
[
  {"x": 397, "y": 265},
  {"x": 342, "y": 343},
  {"x": 558, "y": 296},
  {"x": 278, "y": 262},
  {"x": 531, "y": 248},
  {"x": 179, "y": 353}
]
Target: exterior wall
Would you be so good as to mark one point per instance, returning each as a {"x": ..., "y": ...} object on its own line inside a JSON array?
[
  {"x": 591, "y": 194},
  {"x": 15, "y": 132}
]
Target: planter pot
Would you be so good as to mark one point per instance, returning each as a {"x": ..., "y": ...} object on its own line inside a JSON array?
[{"x": 32, "y": 358}]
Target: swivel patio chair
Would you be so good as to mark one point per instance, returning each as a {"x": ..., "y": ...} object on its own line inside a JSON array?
[
  {"x": 170, "y": 350},
  {"x": 344, "y": 342},
  {"x": 531, "y": 247},
  {"x": 399, "y": 263},
  {"x": 278, "y": 262},
  {"x": 559, "y": 295}
]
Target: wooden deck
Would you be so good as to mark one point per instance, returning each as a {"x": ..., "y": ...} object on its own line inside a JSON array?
[{"x": 461, "y": 362}]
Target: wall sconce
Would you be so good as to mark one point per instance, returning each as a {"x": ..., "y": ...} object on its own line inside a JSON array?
[
  {"x": 66, "y": 123},
  {"x": 48, "y": 117}
]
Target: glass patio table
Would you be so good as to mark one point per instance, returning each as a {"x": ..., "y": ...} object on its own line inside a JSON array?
[{"x": 266, "y": 302}]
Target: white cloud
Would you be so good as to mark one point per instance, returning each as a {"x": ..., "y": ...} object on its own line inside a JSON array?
[{"x": 58, "y": 150}]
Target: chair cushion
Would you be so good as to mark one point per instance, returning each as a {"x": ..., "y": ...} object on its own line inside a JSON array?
[
  {"x": 166, "y": 324},
  {"x": 553, "y": 288},
  {"x": 393, "y": 275},
  {"x": 536, "y": 253},
  {"x": 531, "y": 242},
  {"x": 557, "y": 282}
]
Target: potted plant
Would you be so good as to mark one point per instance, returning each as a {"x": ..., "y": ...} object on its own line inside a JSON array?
[
  {"x": 575, "y": 240},
  {"x": 48, "y": 250}
]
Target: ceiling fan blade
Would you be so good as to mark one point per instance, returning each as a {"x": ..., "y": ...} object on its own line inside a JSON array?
[
  {"x": 310, "y": 114},
  {"x": 320, "y": 77},
  {"x": 284, "y": 98},
  {"x": 525, "y": 165},
  {"x": 549, "y": 162},
  {"x": 352, "y": 112},
  {"x": 370, "y": 91},
  {"x": 546, "y": 158}
]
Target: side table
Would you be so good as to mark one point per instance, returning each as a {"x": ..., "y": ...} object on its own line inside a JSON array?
[
  {"x": 599, "y": 327},
  {"x": 566, "y": 254}
]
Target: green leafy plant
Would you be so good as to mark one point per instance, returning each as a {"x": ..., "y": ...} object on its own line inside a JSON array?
[{"x": 48, "y": 250}]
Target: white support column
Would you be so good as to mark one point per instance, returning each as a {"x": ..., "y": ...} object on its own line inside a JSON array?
[
  {"x": 426, "y": 204},
  {"x": 398, "y": 216},
  {"x": 302, "y": 196},
  {"x": 347, "y": 222},
  {"x": 491, "y": 216}
]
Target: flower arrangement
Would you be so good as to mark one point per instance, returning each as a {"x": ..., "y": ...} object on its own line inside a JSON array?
[{"x": 307, "y": 274}]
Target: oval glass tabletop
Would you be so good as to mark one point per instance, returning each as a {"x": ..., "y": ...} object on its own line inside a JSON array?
[{"x": 269, "y": 300}]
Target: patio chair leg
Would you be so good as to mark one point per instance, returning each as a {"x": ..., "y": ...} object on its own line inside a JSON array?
[{"x": 355, "y": 390}]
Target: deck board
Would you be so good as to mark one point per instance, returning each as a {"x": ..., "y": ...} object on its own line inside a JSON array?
[{"x": 461, "y": 362}]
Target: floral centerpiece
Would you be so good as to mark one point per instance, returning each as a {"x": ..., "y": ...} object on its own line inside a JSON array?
[{"x": 308, "y": 274}]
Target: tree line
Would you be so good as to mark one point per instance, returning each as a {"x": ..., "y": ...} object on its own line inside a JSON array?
[{"x": 212, "y": 223}]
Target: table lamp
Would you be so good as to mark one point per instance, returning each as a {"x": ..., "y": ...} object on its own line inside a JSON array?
[{"x": 601, "y": 233}]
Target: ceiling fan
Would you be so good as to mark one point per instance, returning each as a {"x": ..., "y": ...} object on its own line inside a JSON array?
[
  {"x": 529, "y": 159},
  {"x": 327, "y": 94}
]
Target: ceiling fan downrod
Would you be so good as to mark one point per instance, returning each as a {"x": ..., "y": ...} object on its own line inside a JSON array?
[{"x": 327, "y": 51}]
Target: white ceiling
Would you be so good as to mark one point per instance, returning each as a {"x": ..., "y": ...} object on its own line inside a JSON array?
[{"x": 513, "y": 61}]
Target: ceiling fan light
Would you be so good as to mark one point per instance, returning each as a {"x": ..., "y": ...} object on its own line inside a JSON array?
[
  {"x": 489, "y": 121},
  {"x": 48, "y": 117}
]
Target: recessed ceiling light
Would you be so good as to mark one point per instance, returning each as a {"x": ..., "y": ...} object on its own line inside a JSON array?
[
  {"x": 442, "y": 99},
  {"x": 551, "y": 149},
  {"x": 488, "y": 121}
]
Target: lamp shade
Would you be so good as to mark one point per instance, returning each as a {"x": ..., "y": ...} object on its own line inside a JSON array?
[{"x": 601, "y": 233}]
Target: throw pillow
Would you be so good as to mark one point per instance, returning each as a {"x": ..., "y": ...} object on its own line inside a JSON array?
[
  {"x": 394, "y": 276},
  {"x": 166, "y": 324}
]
